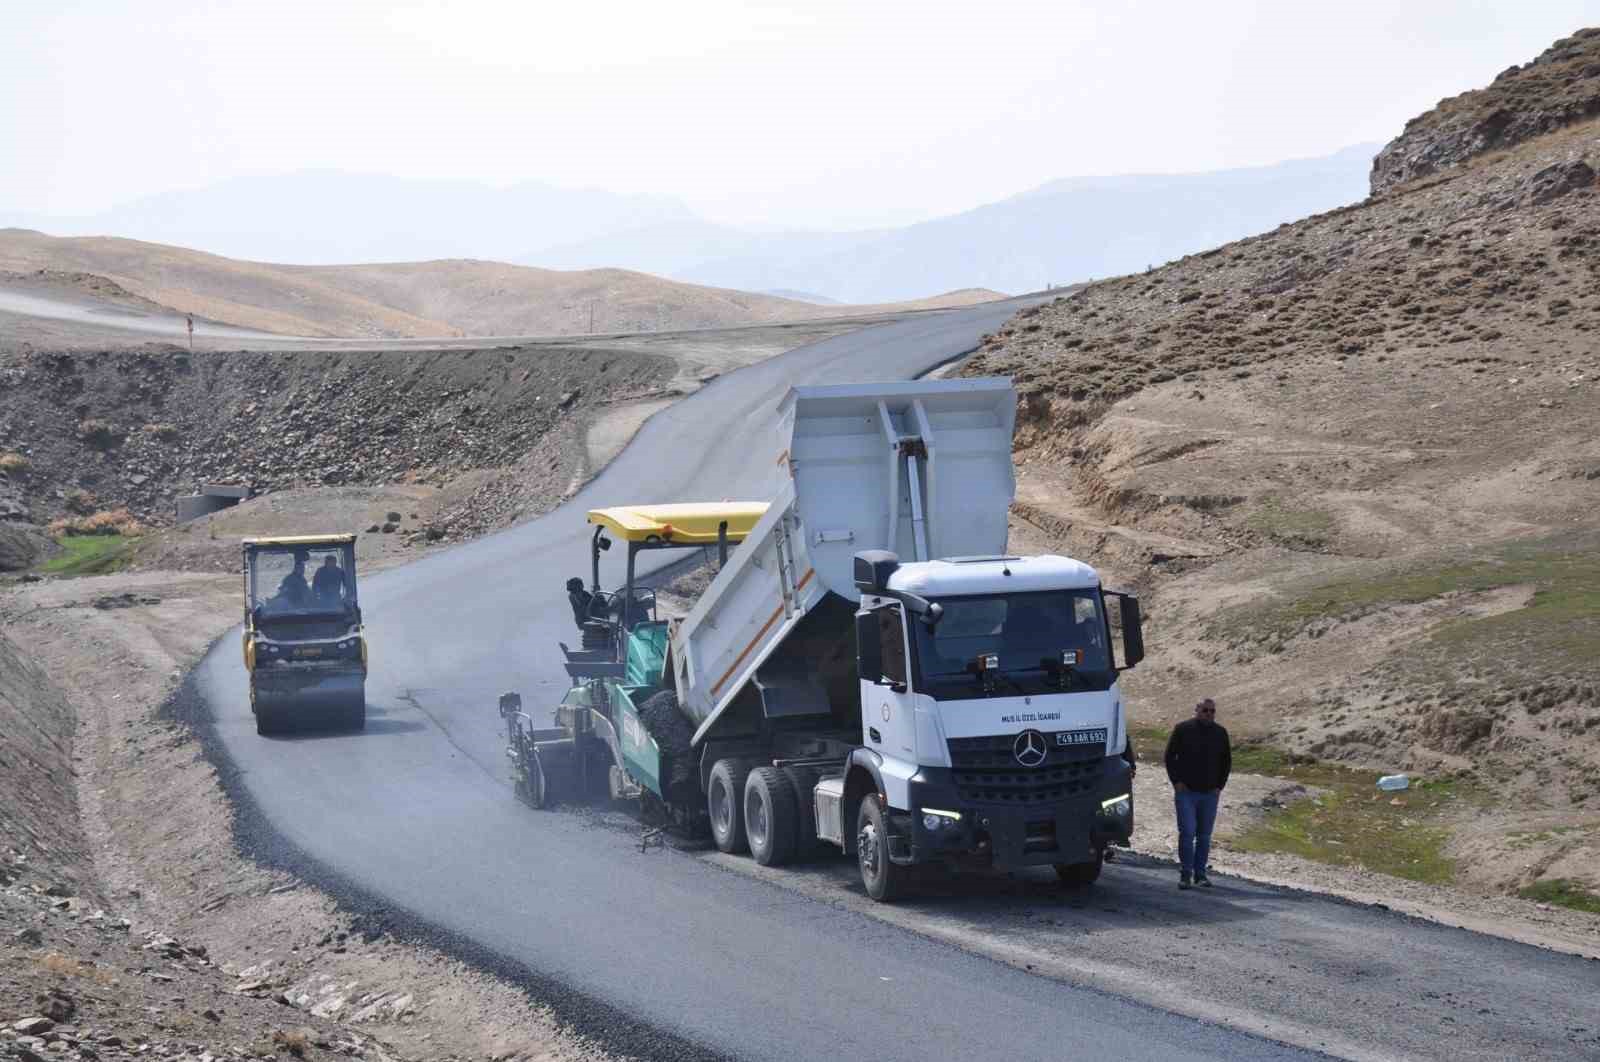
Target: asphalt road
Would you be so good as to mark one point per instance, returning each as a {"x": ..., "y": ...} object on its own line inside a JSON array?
[
  {"x": 101, "y": 314},
  {"x": 667, "y": 954}
]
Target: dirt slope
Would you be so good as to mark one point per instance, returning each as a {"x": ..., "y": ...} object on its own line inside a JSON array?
[
  {"x": 421, "y": 299},
  {"x": 1354, "y": 465}
]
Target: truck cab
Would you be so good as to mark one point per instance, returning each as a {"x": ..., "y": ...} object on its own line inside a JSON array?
[{"x": 992, "y": 721}]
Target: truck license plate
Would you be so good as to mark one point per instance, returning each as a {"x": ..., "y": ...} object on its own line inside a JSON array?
[
  {"x": 308, "y": 652},
  {"x": 1081, "y": 737}
]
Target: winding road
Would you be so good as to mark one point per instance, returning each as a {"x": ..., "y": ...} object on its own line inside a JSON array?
[{"x": 671, "y": 954}]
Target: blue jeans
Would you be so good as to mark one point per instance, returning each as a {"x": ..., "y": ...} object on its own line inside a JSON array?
[{"x": 1197, "y": 812}]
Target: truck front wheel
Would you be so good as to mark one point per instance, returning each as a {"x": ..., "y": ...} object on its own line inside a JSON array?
[
  {"x": 725, "y": 804},
  {"x": 1081, "y": 875},
  {"x": 884, "y": 880}
]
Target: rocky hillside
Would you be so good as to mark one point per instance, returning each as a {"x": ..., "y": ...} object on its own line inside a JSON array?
[
  {"x": 81, "y": 433},
  {"x": 1355, "y": 466},
  {"x": 1560, "y": 87}
]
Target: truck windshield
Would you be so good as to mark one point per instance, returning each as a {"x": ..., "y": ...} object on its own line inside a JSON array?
[{"x": 1029, "y": 633}]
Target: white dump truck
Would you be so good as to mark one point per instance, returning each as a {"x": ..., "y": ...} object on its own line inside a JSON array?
[{"x": 869, "y": 668}]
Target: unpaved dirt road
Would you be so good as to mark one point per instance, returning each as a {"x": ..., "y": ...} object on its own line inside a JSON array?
[{"x": 667, "y": 955}]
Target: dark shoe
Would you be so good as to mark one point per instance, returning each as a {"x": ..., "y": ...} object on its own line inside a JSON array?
[
  {"x": 1111, "y": 855},
  {"x": 1202, "y": 881},
  {"x": 1183, "y": 881}
]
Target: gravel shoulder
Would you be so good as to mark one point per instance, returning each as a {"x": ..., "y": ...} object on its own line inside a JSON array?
[{"x": 157, "y": 861}]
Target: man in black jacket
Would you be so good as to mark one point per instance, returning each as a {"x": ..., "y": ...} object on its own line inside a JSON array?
[{"x": 1199, "y": 758}]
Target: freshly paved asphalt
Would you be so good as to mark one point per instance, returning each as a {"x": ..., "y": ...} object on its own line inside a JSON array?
[{"x": 659, "y": 954}]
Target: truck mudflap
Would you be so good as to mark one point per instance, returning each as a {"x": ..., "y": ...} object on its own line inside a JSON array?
[
  {"x": 288, "y": 698},
  {"x": 1008, "y": 836}
]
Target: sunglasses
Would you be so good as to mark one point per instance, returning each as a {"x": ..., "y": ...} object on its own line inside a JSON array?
[{"x": 1208, "y": 711}]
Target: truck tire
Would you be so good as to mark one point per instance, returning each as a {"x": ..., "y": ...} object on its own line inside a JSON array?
[
  {"x": 355, "y": 718},
  {"x": 1081, "y": 875},
  {"x": 885, "y": 881},
  {"x": 725, "y": 804},
  {"x": 771, "y": 818},
  {"x": 266, "y": 722},
  {"x": 672, "y": 733},
  {"x": 804, "y": 781}
]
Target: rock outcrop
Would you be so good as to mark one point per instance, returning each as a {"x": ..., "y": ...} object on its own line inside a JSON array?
[{"x": 1560, "y": 87}]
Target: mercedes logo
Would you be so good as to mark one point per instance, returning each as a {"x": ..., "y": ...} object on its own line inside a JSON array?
[{"x": 1030, "y": 749}]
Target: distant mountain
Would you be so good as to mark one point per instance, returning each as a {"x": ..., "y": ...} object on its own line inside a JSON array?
[
  {"x": 1061, "y": 232},
  {"x": 803, "y": 296},
  {"x": 320, "y": 217},
  {"x": 678, "y": 248},
  {"x": 452, "y": 297}
]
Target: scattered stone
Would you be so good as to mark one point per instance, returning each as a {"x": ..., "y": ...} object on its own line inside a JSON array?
[
  {"x": 33, "y": 1026},
  {"x": 29, "y": 936},
  {"x": 58, "y": 1006}
]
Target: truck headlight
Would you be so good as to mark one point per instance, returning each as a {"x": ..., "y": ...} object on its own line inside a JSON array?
[
  {"x": 1120, "y": 806},
  {"x": 938, "y": 818}
]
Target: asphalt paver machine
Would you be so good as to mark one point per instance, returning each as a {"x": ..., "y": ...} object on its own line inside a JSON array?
[
  {"x": 604, "y": 725},
  {"x": 304, "y": 648}
]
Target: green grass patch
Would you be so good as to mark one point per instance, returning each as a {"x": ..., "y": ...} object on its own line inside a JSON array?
[
  {"x": 1564, "y": 893},
  {"x": 1149, "y": 742},
  {"x": 1562, "y": 619},
  {"x": 90, "y": 555},
  {"x": 1312, "y": 528},
  {"x": 1353, "y": 823}
]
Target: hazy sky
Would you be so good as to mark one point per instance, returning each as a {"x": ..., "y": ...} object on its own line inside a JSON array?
[{"x": 822, "y": 113}]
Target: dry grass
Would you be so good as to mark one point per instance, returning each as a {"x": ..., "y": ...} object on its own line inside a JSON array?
[
  {"x": 99, "y": 434},
  {"x": 294, "y": 1041},
  {"x": 79, "y": 501},
  {"x": 66, "y": 966},
  {"x": 105, "y": 522},
  {"x": 13, "y": 464}
]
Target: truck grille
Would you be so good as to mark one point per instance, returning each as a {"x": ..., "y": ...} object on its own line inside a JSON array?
[{"x": 987, "y": 772}]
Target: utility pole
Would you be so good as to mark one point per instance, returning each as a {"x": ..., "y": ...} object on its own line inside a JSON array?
[{"x": 591, "y": 317}]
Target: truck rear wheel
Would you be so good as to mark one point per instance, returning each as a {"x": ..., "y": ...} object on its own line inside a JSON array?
[
  {"x": 725, "y": 803},
  {"x": 885, "y": 880},
  {"x": 1081, "y": 875},
  {"x": 771, "y": 818},
  {"x": 804, "y": 781}
]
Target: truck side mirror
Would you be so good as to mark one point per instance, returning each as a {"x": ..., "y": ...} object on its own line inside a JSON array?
[
  {"x": 1132, "y": 629},
  {"x": 869, "y": 652}
]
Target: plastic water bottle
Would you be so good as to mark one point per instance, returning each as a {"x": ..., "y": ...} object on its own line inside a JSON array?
[{"x": 1394, "y": 783}]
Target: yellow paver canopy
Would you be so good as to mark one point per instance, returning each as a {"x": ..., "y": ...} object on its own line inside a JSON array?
[{"x": 689, "y": 524}]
